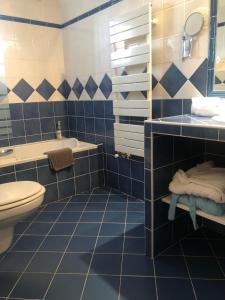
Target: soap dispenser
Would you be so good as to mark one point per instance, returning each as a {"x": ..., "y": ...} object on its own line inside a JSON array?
[{"x": 59, "y": 131}]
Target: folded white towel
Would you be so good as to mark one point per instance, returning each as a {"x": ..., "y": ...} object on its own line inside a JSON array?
[
  {"x": 204, "y": 181},
  {"x": 207, "y": 107}
]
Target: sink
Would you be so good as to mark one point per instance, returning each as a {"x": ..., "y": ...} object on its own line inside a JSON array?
[{"x": 220, "y": 119}]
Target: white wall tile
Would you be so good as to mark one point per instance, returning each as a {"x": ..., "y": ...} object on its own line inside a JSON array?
[
  {"x": 174, "y": 20},
  {"x": 187, "y": 91},
  {"x": 44, "y": 10}
]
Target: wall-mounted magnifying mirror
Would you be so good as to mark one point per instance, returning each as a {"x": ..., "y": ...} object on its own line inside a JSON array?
[{"x": 193, "y": 26}]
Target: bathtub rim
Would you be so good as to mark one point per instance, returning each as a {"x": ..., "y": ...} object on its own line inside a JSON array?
[{"x": 7, "y": 162}]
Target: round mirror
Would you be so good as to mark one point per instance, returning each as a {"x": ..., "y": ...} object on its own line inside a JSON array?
[{"x": 194, "y": 24}]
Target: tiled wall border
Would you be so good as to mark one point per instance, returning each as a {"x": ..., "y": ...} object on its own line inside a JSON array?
[
  {"x": 29, "y": 21},
  {"x": 198, "y": 80},
  {"x": 91, "y": 12},
  {"x": 61, "y": 26},
  {"x": 24, "y": 91}
]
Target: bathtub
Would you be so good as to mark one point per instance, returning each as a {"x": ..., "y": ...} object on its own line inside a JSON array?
[{"x": 36, "y": 151}]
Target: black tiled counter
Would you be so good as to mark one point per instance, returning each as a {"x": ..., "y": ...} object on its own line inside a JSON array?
[
  {"x": 188, "y": 126},
  {"x": 173, "y": 143}
]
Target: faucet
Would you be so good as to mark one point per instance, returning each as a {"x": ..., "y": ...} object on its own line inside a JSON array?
[
  {"x": 6, "y": 151},
  {"x": 59, "y": 131}
]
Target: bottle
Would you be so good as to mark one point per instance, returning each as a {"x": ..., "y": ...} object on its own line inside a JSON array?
[{"x": 59, "y": 131}]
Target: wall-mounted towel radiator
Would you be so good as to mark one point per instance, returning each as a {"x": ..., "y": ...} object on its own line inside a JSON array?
[{"x": 130, "y": 37}]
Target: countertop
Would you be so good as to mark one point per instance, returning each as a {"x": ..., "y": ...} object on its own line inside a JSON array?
[
  {"x": 189, "y": 120},
  {"x": 187, "y": 126}
]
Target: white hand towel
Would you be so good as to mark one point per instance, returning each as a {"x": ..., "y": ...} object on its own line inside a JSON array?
[
  {"x": 204, "y": 181},
  {"x": 207, "y": 107}
]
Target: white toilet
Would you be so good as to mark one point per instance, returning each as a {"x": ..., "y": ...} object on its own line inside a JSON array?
[{"x": 17, "y": 201}]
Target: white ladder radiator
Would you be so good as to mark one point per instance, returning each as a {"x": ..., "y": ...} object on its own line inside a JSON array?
[{"x": 131, "y": 61}]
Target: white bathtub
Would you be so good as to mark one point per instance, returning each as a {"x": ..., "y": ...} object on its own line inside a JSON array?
[{"x": 35, "y": 151}]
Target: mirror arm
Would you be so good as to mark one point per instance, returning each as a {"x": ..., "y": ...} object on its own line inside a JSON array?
[{"x": 187, "y": 43}]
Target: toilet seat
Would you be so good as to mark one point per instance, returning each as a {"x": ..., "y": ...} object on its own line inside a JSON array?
[{"x": 18, "y": 193}]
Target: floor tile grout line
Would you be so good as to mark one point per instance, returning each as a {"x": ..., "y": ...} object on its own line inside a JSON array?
[
  {"x": 155, "y": 279},
  {"x": 138, "y": 254},
  {"x": 214, "y": 255},
  {"x": 81, "y": 252},
  {"x": 123, "y": 248},
  {"x": 72, "y": 235},
  {"x": 185, "y": 260},
  {"x": 80, "y": 235},
  {"x": 35, "y": 252},
  {"x": 130, "y": 275},
  {"x": 96, "y": 222},
  {"x": 95, "y": 245}
]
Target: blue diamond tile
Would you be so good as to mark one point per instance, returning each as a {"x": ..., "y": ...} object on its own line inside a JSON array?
[
  {"x": 145, "y": 70},
  {"x": 145, "y": 94},
  {"x": 91, "y": 87},
  {"x": 65, "y": 89},
  {"x": 45, "y": 89},
  {"x": 154, "y": 82},
  {"x": 3, "y": 90},
  {"x": 23, "y": 90},
  {"x": 124, "y": 94},
  {"x": 78, "y": 88},
  {"x": 199, "y": 78},
  {"x": 173, "y": 80},
  {"x": 217, "y": 80},
  {"x": 106, "y": 86}
]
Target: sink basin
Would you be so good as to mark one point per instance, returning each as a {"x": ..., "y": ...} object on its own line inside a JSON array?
[{"x": 220, "y": 119}]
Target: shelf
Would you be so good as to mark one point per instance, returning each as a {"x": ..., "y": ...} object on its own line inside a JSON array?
[{"x": 220, "y": 220}]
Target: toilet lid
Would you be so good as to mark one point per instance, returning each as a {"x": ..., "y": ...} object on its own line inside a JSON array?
[{"x": 16, "y": 191}]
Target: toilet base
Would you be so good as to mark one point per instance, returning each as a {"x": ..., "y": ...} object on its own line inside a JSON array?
[{"x": 6, "y": 238}]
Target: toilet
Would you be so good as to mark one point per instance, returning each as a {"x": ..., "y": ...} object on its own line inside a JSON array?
[{"x": 17, "y": 201}]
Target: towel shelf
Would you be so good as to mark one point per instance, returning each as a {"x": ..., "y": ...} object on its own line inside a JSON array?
[
  {"x": 130, "y": 61},
  {"x": 132, "y": 51},
  {"x": 130, "y": 79},
  {"x": 220, "y": 220},
  {"x": 137, "y": 22},
  {"x": 131, "y": 87}
]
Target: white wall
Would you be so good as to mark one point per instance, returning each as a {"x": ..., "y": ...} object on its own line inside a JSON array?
[
  {"x": 34, "y": 52},
  {"x": 221, "y": 11},
  {"x": 87, "y": 47},
  {"x": 30, "y": 52},
  {"x": 42, "y": 10},
  {"x": 73, "y": 8},
  {"x": 167, "y": 36}
]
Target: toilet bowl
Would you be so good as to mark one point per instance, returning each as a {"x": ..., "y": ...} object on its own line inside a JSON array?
[{"x": 17, "y": 201}]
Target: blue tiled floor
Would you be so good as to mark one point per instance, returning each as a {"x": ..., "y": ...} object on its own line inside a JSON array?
[{"x": 92, "y": 247}]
